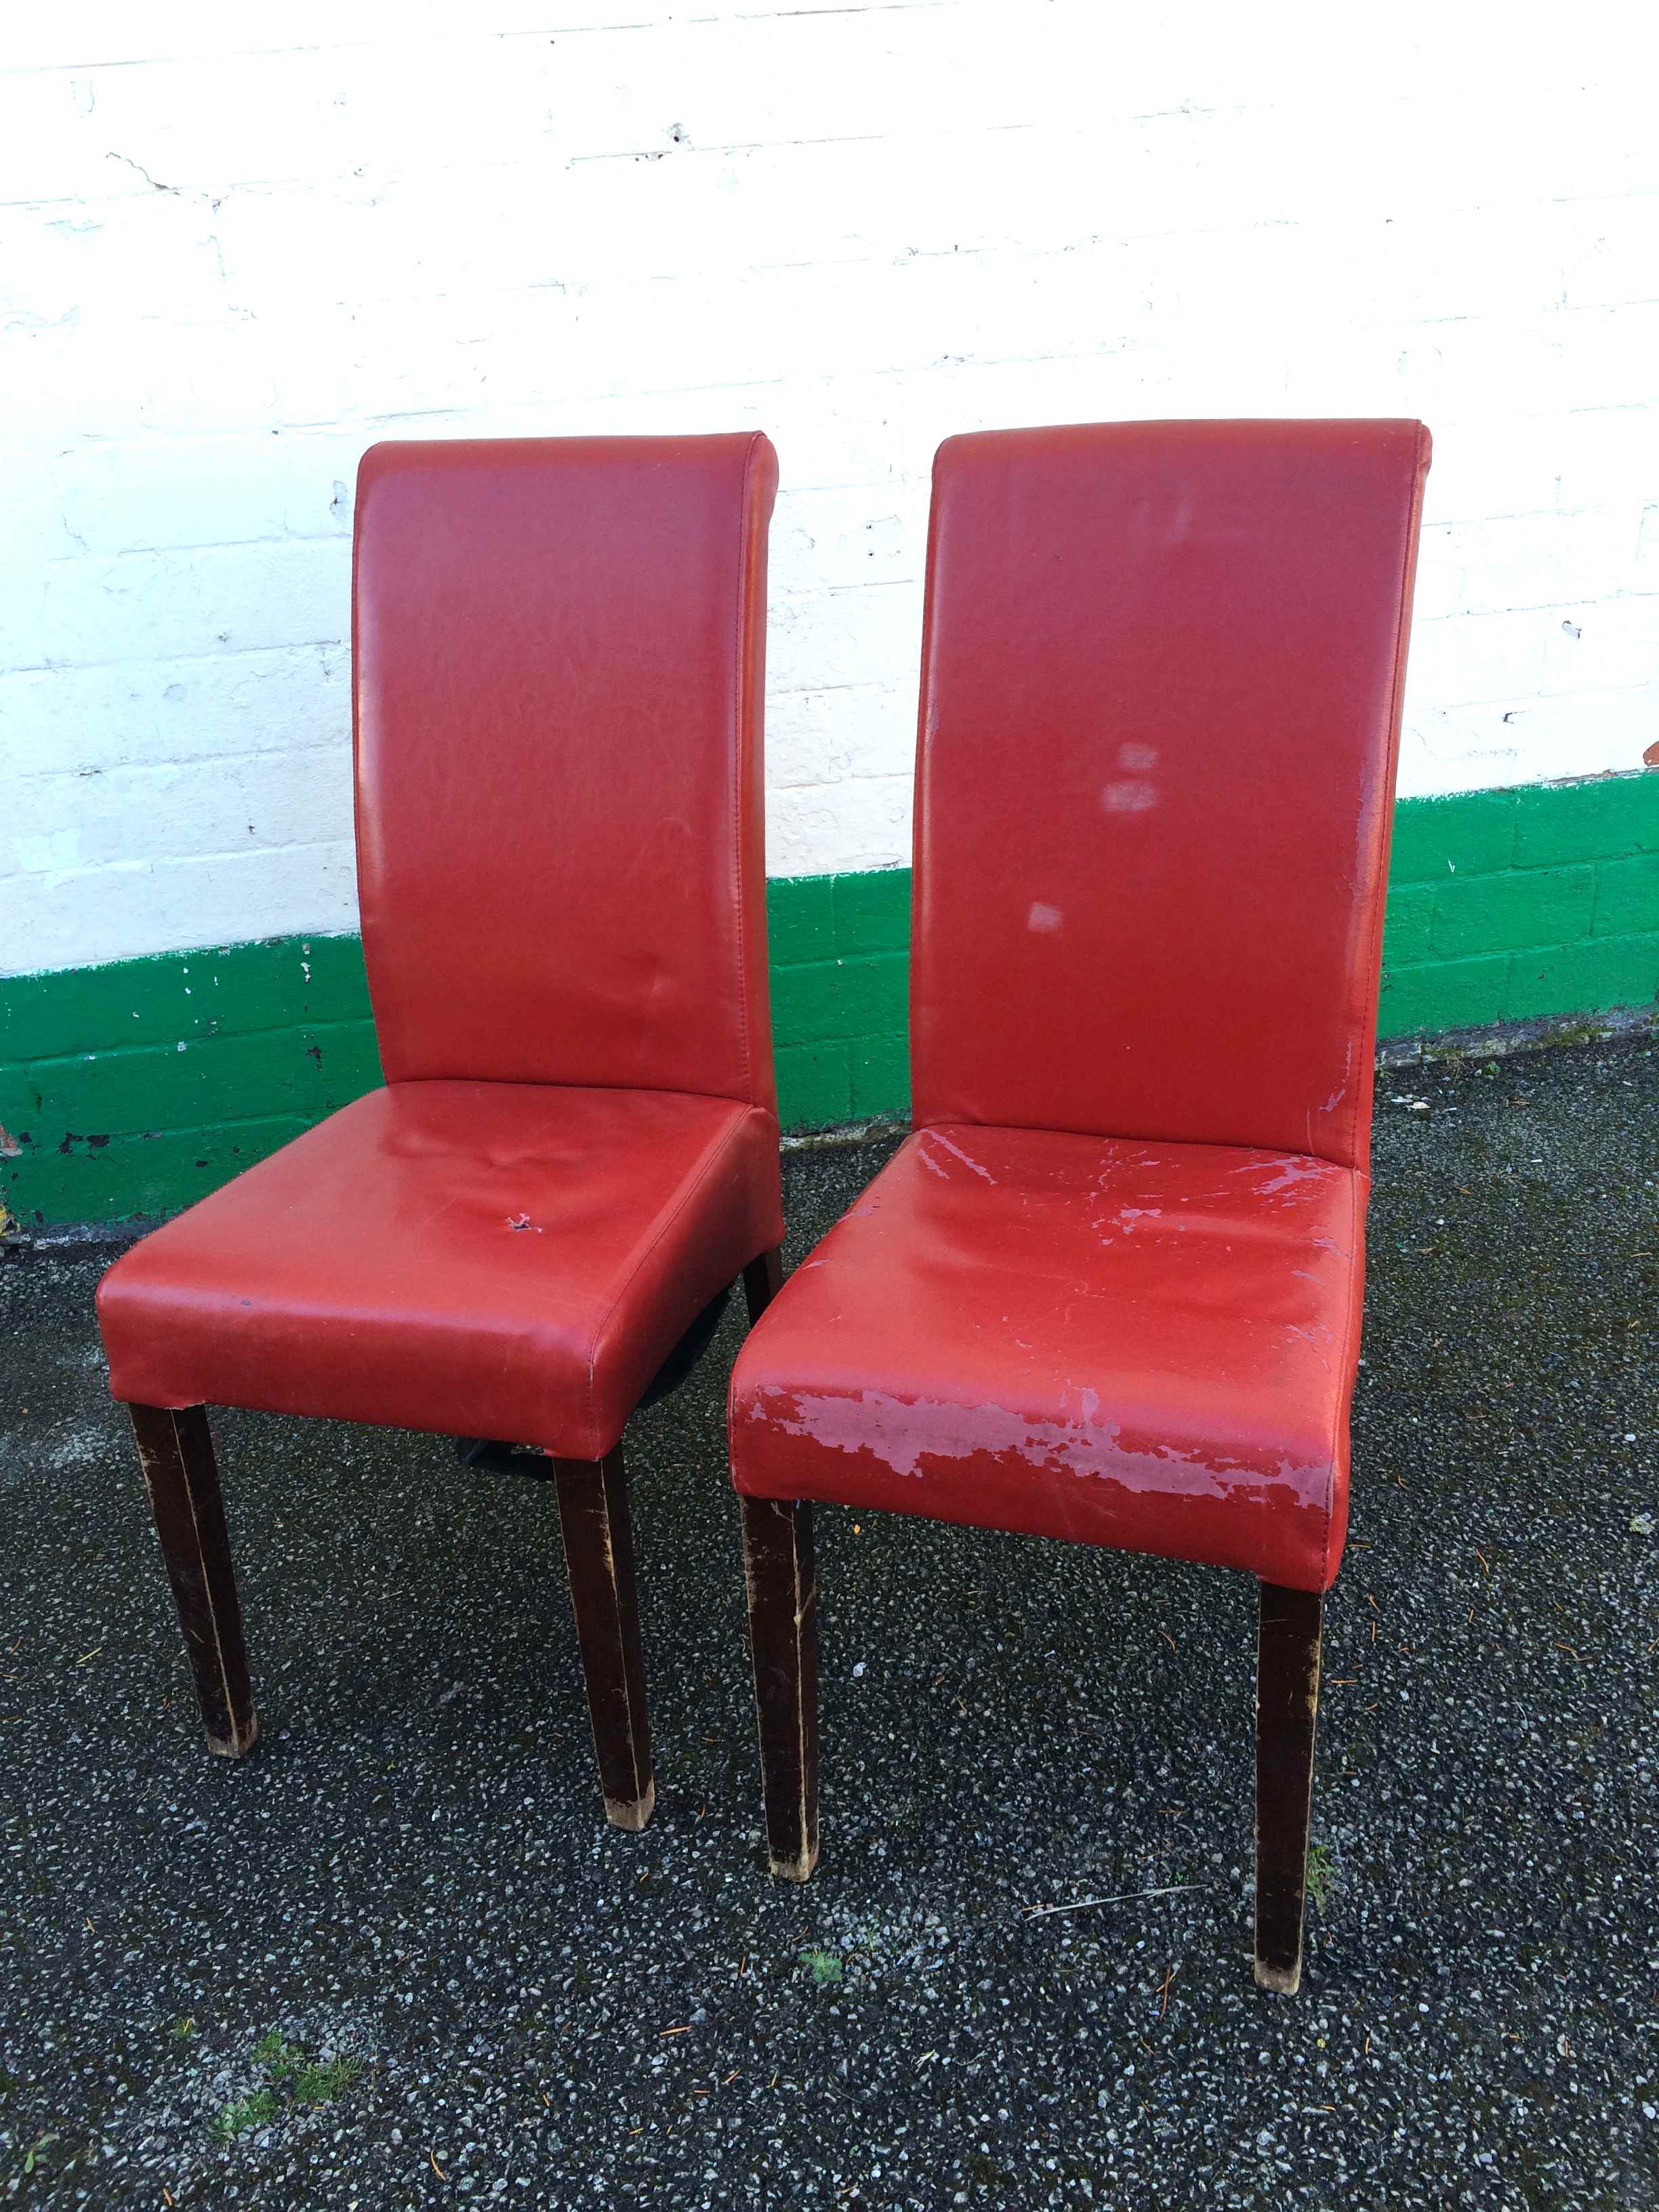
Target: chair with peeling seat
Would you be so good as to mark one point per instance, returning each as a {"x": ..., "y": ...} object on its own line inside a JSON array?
[
  {"x": 1110, "y": 1289},
  {"x": 558, "y": 670}
]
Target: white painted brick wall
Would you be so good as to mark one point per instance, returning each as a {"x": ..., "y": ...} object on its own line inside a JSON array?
[{"x": 235, "y": 250}]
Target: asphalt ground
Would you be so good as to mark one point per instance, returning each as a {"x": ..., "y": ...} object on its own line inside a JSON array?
[{"x": 396, "y": 1959}]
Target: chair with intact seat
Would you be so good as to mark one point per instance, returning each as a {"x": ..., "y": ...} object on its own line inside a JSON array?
[
  {"x": 1109, "y": 1289},
  {"x": 558, "y": 672}
]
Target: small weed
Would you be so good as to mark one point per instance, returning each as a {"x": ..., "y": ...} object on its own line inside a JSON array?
[
  {"x": 309, "y": 2080},
  {"x": 826, "y": 1966},
  {"x": 1321, "y": 1874},
  {"x": 34, "y": 2151},
  {"x": 251, "y": 2112},
  {"x": 318, "y": 2082},
  {"x": 183, "y": 2030}
]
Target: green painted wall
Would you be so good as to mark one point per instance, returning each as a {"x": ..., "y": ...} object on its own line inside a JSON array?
[{"x": 136, "y": 1087}]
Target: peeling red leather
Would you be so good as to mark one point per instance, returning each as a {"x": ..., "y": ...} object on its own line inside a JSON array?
[
  {"x": 1111, "y": 1291},
  {"x": 559, "y": 663},
  {"x": 1145, "y": 1345}
]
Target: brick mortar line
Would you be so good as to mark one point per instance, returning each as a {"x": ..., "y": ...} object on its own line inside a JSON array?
[{"x": 164, "y": 1047}]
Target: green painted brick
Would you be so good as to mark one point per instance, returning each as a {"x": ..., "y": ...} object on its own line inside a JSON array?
[
  {"x": 137, "y": 1174},
  {"x": 295, "y": 980},
  {"x": 333, "y": 987},
  {"x": 1627, "y": 897},
  {"x": 128, "y": 1002},
  {"x": 814, "y": 1085},
  {"x": 1609, "y": 819},
  {"x": 840, "y": 998},
  {"x": 1442, "y": 994},
  {"x": 270, "y": 984},
  {"x": 144, "y": 1088},
  {"x": 20, "y": 1102},
  {"x": 800, "y": 920},
  {"x": 347, "y": 1056},
  {"x": 1501, "y": 913},
  {"x": 1473, "y": 834},
  {"x": 881, "y": 1075},
  {"x": 872, "y": 912},
  {"x": 1406, "y": 929},
  {"x": 44, "y": 1014},
  {"x": 1589, "y": 977},
  {"x": 137, "y": 1089}
]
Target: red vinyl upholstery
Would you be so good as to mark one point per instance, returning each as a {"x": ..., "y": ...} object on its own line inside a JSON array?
[
  {"x": 1161, "y": 678},
  {"x": 559, "y": 652},
  {"x": 558, "y": 698},
  {"x": 1111, "y": 1290},
  {"x": 481, "y": 1258},
  {"x": 1145, "y": 1345}
]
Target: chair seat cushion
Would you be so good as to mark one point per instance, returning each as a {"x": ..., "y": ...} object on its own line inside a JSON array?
[
  {"x": 481, "y": 1259},
  {"x": 1143, "y": 1345}
]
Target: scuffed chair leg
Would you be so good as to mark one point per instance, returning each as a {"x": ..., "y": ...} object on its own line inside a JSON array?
[
  {"x": 599, "y": 1551},
  {"x": 762, "y": 1279},
  {"x": 175, "y": 1449},
  {"x": 783, "y": 1640},
  {"x": 1286, "y": 1715}
]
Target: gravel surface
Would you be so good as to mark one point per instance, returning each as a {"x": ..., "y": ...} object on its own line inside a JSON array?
[{"x": 411, "y": 1876}]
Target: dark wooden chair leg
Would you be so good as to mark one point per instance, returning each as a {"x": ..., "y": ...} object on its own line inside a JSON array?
[
  {"x": 175, "y": 1449},
  {"x": 1286, "y": 1715},
  {"x": 599, "y": 1551},
  {"x": 783, "y": 1642},
  {"x": 762, "y": 1279}
]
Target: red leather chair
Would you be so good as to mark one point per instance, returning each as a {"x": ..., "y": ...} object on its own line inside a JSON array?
[
  {"x": 1109, "y": 1289},
  {"x": 559, "y": 652}
]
